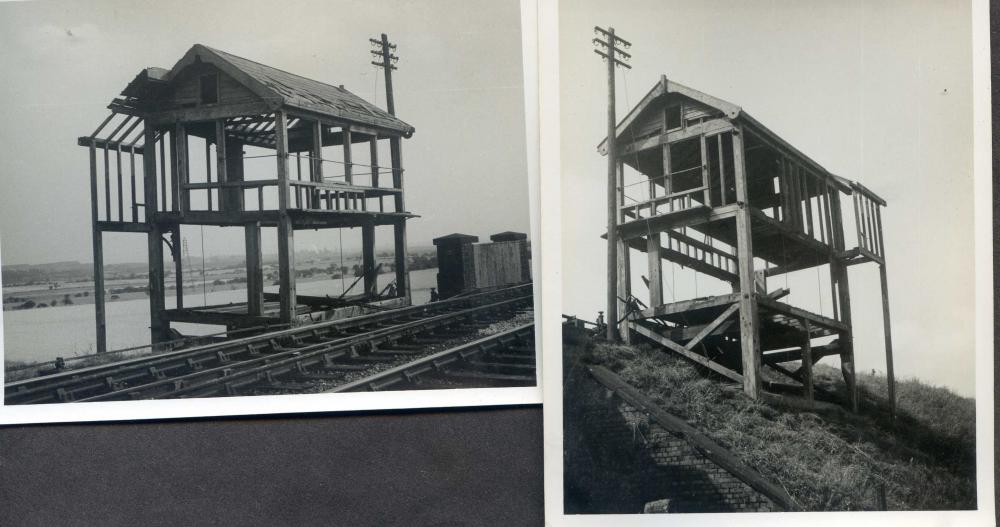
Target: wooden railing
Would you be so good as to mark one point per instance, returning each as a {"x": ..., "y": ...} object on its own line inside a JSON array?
[
  {"x": 666, "y": 204},
  {"x": 304, "y": 195},
  {"x": 868, "y": 221}
]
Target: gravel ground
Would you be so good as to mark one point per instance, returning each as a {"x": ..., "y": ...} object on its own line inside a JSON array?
[{"x": 351, "y": 376}]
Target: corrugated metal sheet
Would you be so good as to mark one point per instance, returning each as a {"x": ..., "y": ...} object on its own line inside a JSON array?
[{"x": 308, "y": 94}]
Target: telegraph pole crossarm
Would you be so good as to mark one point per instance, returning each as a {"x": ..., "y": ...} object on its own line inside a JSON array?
[{"x": 610, "y": 49}]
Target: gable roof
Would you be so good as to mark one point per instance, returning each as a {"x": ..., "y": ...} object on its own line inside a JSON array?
[
  {"x": 662, "y": 88},
  {"x": 733, "y": 112},
  {"x": 277, "y": 87}
]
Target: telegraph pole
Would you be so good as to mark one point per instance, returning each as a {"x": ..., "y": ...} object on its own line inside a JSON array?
[
  {"x": 383, "y": 50},
  {"x": 609, "y": 50}
]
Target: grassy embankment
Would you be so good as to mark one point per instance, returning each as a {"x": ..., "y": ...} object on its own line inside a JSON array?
[{"x": 925, "y": 459}]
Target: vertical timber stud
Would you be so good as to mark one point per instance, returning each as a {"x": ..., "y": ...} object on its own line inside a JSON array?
[
  {"x": 655, "y": 269},
  {"x": 255, "y": 270},
  {"x": 614, "y": 57},
  {"x": 286, "y": 234},
  {"x": 348, "y": 161},
  {"x": 399, "y": 227},
  {"x": 154, "y": 240},
  {"x": 749, "y": 332},
  {"x": 181, "y": 164},
  {"x": 807, "y": 360},
  {"x": 220, "y": 162},
  {"x": 175, "y": 253},
  {"x": 98, "y": 244},
  {"x": 316, "y": 162},
  {"x": 373, "y": 155},
  {"x": 368, "y": 258}
]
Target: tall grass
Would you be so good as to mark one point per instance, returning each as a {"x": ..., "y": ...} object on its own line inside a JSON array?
[{"x": 924, "y": 460}]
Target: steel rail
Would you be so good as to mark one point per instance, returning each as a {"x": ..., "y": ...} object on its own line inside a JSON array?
[
  {"x": 230, "y": 375},
  {"x": 409, "y": 372},
  {"x": 41, "y": 389}
]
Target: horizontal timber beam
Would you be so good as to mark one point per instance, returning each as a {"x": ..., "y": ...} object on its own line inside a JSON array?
[{"x": 688, "y": 305}]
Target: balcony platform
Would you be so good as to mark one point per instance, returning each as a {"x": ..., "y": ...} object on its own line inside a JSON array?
[
  {"x": 777, "y": 243},
  {"x": 307, "y": 309},
  {"x": 301, "y": 219},
  {"x": 715, "y": 320}
]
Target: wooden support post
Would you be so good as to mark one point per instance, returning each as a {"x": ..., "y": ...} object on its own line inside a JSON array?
[
  {"x": 175, "y": 253},
  {"x": 839, "y": 277},
  {"x": 158, "y": 326},
  {"x": 886, "y": 324},
  {"x": 807, "y": 202},
  {"x": 722, "y": 170},
  {"x": 97, "y": 239},
  {"x": 208, "y": 171},
  {"x": 316, "y": 162},
  {"x": 121, "y": 192},
  {"x": 255, "y": 270},
  {"x": 234, "y": 174},
  {"x": 807, "y": 361},
  {"x": 163, "y": 173},
  {"x": 286, "y": 233},
  {"x": 857, "y": 220},
  {"x": 655, "y": 269},
  {"x": 221, "y": 171},
  {"x": 373, "y": 153},
  {"x": 887, "y": 330},
  {"x": 180, "y": 165},
  {"x": 783, "y": 190},
  {"x": 399, "y": 227},
  {"x": 368, "y": 259},
  {"x": 705, "y": 181},
  {"x": 348, "y": 161},
  {"x": 749, "y": 330},
  {"x": 135, "y": 201},
  {"x": 107, "y": 185},
  {"x": 667, "y": 169}
]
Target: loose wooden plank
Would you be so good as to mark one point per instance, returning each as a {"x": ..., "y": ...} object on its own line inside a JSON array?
[
  {"x": 710, "y": 327},
  {"x": 673, "y": 346}
]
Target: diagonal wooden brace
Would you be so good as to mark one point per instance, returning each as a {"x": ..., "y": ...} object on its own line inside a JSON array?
[{"x": 709, "y": 328}]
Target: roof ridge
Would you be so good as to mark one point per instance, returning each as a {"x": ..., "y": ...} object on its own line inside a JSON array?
[
  {"x": 286, "y": 72},
  {"x": 340, "y": 88}
]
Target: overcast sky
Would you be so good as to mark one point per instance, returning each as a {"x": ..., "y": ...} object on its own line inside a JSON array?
[
  {"x": 459, "y": 83},
  {"x": 878, "y": 92}
]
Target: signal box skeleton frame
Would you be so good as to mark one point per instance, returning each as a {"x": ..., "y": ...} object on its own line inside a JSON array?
[
  {"x": 728, "y": 198},
  {"x": 141, "y": 181}
]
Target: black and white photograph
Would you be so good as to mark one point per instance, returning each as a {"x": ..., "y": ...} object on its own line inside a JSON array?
[
  {"x": 227, "y": 199},
  {"x": 768, "y": 264}
]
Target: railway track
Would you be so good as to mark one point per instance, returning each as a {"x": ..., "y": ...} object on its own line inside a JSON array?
[
  {"x": 501, "y": 359},
  {"x": 281, "y": 360}
]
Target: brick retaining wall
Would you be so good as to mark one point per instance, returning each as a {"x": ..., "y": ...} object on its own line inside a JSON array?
[{"x": 617, "y": 460}]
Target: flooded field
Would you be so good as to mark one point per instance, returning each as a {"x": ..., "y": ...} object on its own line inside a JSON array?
[{"x": 65, "y": 331}]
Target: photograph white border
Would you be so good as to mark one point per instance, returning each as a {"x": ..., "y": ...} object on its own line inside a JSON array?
[
  {"x": 548, "y": 18},
  {"x": 341, "y": 402}
]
